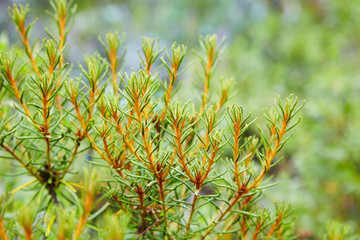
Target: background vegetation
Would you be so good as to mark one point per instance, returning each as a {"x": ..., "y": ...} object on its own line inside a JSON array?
[{"x": 276, "y": 47}]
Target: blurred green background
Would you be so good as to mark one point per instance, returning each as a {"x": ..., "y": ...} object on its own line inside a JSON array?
[{"x": 308, "y": 48}]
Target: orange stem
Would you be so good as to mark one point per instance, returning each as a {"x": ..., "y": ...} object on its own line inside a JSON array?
[
  {"x": 83, "y": 219},
  {"x": 2, "y": 230}
]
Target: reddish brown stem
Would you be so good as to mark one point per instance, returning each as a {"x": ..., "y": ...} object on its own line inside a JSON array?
[
  {"x": 223, "y": 214},
  {"x": 31, "y": 170},
  {"x": 139, "y": 191}
]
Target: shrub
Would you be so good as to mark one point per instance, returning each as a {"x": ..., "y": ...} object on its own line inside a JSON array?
[{"x": 171, "y": 169}]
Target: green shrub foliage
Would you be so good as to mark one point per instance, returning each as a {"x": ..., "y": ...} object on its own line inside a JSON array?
[{"x": 161, "y": 168}]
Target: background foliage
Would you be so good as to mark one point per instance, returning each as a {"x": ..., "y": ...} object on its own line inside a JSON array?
[{"x": 309, "y": 48}]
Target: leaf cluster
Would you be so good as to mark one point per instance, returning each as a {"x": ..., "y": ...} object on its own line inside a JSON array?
[{"x": 174, "y": 170}]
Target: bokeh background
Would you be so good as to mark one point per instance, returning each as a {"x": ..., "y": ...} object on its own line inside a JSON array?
[{"x": 309, "y": 48}]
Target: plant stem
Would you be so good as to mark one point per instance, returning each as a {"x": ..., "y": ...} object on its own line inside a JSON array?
[
  {"x": 2, "y": 230},
  {"x": 28, "y": 232},
  {"x": 28, "y": 168},
  {"x": 25, "y": 41},
  {"x": 223, "y": 214},
  {"x": 257, "y": 230},
  {"x": 274, "y": 226},
  {"x": 192, "y": 211},
  {"x": 76, "y": 148},
  {"x": 163, "y": 205},
  {"x": 141, "y": 194},
  {"x": 82, "y": 221},
  {"x": 271, "y": 153},
  {"x": 208, "y": 69}
]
